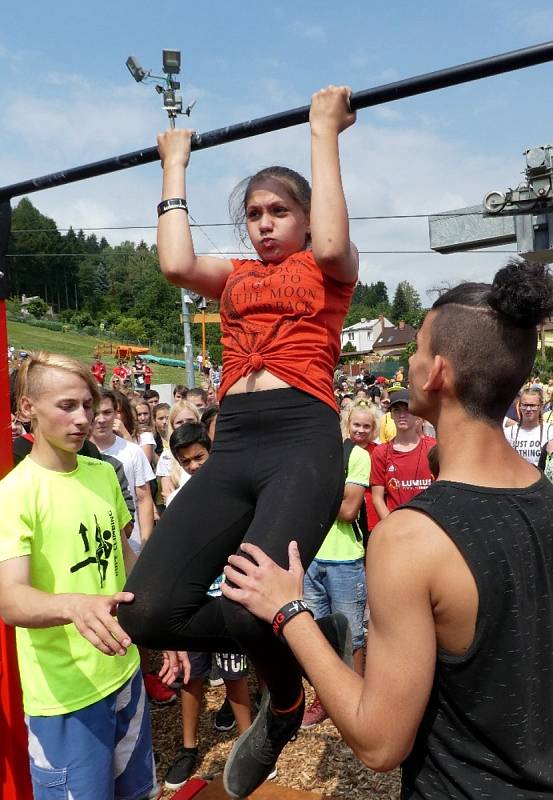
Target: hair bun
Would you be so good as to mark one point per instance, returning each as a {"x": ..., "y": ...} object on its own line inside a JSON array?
[{"x": 523, "y": 291}]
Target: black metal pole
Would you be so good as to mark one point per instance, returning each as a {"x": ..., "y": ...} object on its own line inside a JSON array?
[{"x": 429, "y": 82}]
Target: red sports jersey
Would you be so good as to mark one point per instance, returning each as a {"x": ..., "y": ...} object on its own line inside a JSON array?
[
  {"x": 98, "y": 369},
  {"x": 403, "y": 475},
  {"x": 285, "y": 318}
]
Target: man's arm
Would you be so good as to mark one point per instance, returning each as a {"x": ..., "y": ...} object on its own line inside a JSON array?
[
  {"x": 93, "y": 615},
  {"x": 384, "y": 709},
  {"x": 379, "y": 502}
]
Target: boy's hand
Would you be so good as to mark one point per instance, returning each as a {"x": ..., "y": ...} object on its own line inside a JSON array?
[
  {"x": 94, "y": 617},
  {"x": 173, "y": 662}
]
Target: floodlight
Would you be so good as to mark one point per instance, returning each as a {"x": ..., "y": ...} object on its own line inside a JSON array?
[
  {"x": 135, "y": 69},
  {"x": 535, "y": 157},
  {"x": 171, "y": 62}
]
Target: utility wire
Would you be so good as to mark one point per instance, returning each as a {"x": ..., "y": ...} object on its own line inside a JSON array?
[
  {"x": 103, "y": 253},
  {"x": 231, "y": 224}
]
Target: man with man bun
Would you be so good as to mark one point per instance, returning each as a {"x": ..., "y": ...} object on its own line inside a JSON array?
[{"x": 457, "y": 685}]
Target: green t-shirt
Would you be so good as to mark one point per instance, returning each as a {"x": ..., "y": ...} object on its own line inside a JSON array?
[
  {"x": 340, "y": 543},
  {"x": 69, "y": 524}
]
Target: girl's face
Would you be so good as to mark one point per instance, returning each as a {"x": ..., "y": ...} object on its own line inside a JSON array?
[
  {"x": 277, "y": 225},
  {"x": 183, "y": 416},
  {"x": 211, "y": 396},
  {"x": 530, "y": 407},
  {"x": 162, "y": 421},
  {"x": 143, "y": 413},
  {"x": 361, "y": 427}
]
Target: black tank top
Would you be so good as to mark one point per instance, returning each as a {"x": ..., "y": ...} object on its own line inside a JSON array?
[{"x": 488, "y": 729}]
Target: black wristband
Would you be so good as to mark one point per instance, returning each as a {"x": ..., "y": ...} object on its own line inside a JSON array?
[
  {"x": 286, "y": 613},
  {"x": 173, "y": 202}
]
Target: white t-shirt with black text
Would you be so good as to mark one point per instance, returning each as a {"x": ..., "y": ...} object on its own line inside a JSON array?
[
  {"x": 138, "y": 472},
  {"x": 529, "y": 442}
]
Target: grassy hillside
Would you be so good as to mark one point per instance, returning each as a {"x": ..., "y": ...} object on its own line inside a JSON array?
[{"x": 29, "y": 337}]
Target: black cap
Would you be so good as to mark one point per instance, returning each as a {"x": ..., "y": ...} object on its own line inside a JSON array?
[{"x": 401, "y": 396}]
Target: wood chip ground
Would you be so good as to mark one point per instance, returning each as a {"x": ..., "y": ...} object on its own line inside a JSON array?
[{"x": 318, "y": 760}]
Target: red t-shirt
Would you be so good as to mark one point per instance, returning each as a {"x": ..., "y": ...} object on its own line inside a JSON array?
[
  {"x": 285, "y": 318},
  {"x": 98, "y": 369},
  {"x": 121, "y": 372},
  {"x": 403, "y": 475},
  {"x": 372, "y": 515}
]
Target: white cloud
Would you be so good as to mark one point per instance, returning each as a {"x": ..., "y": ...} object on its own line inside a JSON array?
[
  {"x": 537, "y": 24},
  {"x": 313, "y": 32}
]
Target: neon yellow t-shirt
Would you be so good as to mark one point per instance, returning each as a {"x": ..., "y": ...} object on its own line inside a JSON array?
[
  {"x": 340, "y": 543},
  {"x": 69, "y": 524}
]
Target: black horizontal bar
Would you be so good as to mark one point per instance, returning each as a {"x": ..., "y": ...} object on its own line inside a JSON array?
[{"x": 409, "y": 87}]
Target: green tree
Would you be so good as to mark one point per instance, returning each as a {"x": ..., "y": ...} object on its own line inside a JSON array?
[
  {"x": 378, "y": 295},
  {"x": 37, "y": 307},
  {"x": 400, "y": 307},
  {"x": 131, "y": 328},
  {"x": 356, "y": 313},
  {"x": 407, "y": 304},
  {"x": 33, "y": 240}
]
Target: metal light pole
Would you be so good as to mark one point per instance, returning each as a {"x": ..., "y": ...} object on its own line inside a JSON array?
[
  {"x": 188, "y": 350},
  {"x": 172, "y": 103}
]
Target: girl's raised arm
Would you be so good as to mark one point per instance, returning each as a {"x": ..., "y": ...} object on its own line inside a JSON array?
[
  {"x": 179, "y": 263},
  {"x": 334, "y": 253}
]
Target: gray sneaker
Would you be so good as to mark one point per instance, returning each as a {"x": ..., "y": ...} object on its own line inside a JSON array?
[{"x": 255, "y": 752}]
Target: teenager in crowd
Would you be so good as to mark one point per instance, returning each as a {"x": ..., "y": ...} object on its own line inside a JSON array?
[
  {"x": 198, "y": 397},
  {"x": 276, "y": 465},
  {"x": 530, "y": 435},
  {"x": 135, "y": 464},
  {"x": 457, "y": 685},
  {"x": 361, "y": 426},
  {"x": 138, "y": 374},
  {"x": 179, "y": 392},
  {"x": 63, "y": 562},
  {"x": 170, "y": 475},
  {"x": 151, "y": 396},
  {"x": 400, "y": 467},
  {"x": 98, "y": 369},
  {"x": 145, "y": 433}
]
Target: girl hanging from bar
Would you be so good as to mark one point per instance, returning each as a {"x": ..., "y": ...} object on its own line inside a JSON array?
[{"x": 275, "y": 472}]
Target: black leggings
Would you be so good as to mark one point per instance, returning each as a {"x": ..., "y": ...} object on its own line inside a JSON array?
[{"x": 275, "y": 473}]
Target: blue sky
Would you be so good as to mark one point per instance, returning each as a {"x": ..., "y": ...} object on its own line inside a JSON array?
[{"x": 68, "y": 99}]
